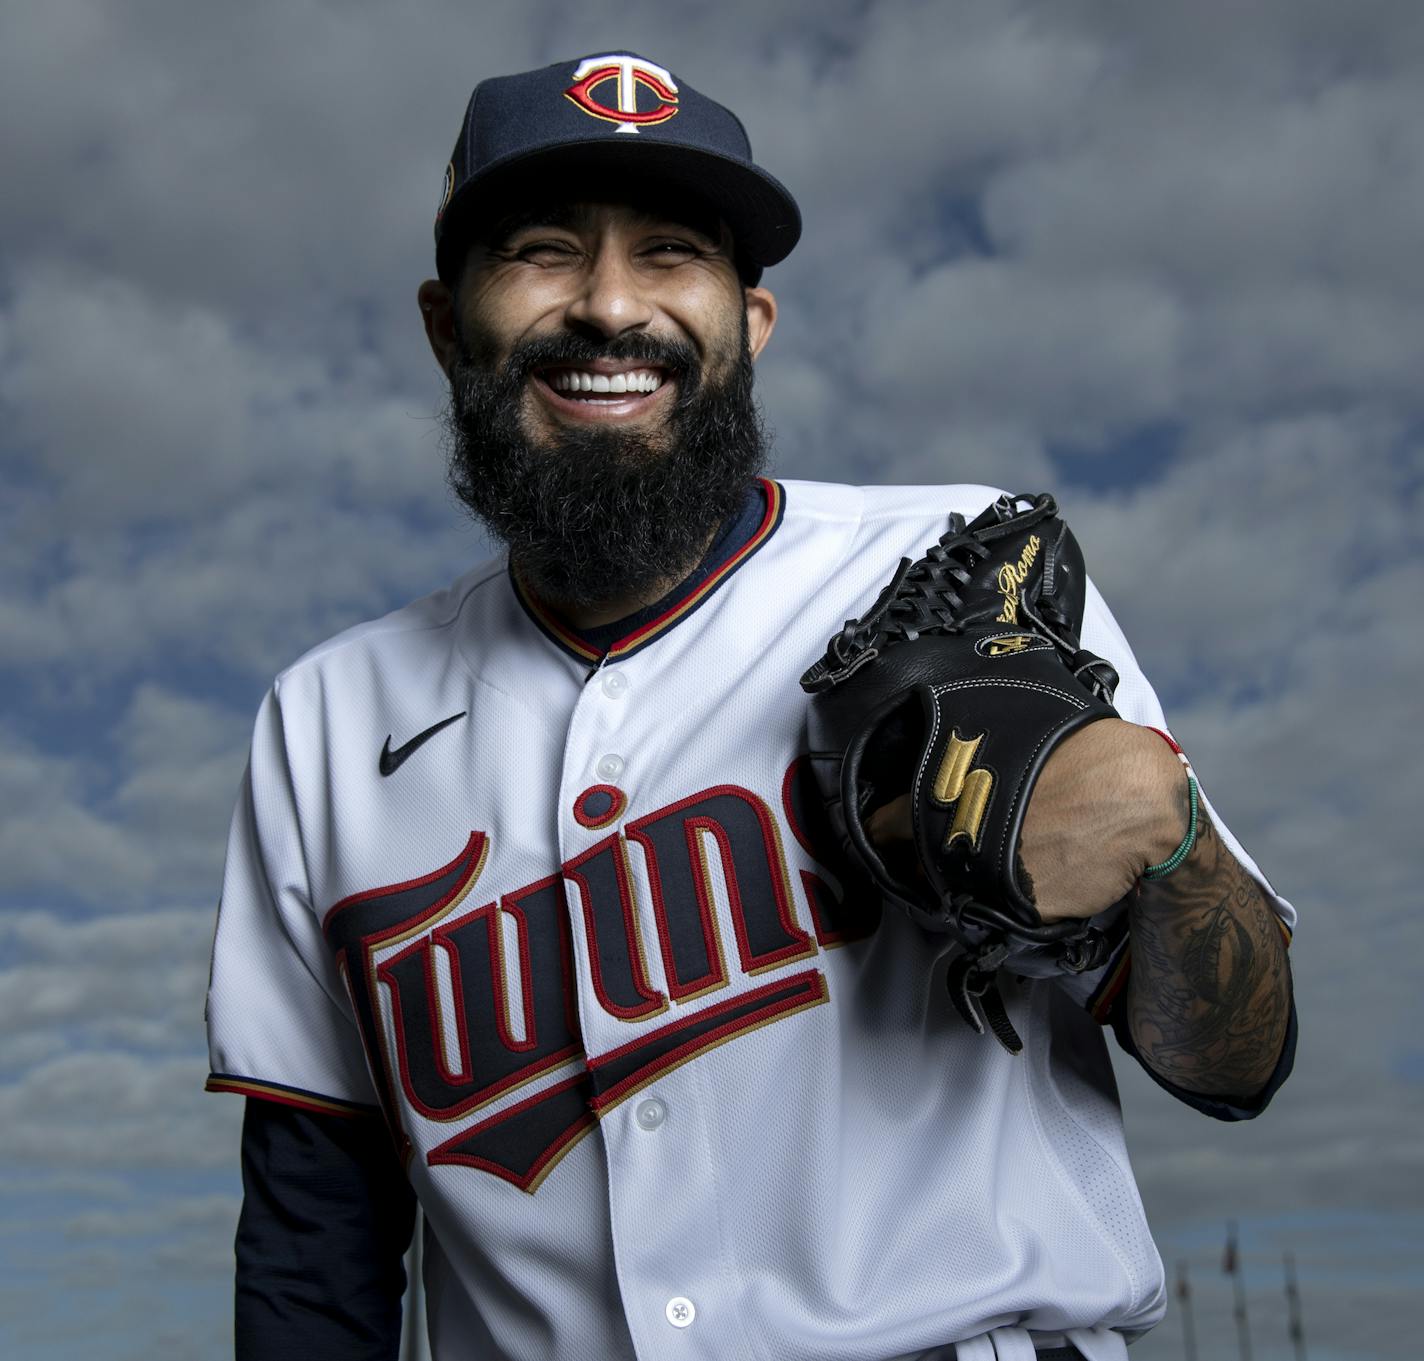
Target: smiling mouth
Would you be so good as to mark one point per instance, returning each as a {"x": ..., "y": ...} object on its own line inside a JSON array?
[{"x": 595, "y": 386}]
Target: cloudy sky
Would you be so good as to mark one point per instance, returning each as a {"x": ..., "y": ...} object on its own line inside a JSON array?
[{"x": 1161, "y": 258}]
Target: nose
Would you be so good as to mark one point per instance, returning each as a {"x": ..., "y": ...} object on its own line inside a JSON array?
[{"x": 610, "y": 298}]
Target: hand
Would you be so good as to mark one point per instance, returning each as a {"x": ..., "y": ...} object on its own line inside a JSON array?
[{"x": 1110, "y": 801}]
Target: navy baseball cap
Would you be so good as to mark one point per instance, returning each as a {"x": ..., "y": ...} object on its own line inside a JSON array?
[{"x": 615, "y": 113}]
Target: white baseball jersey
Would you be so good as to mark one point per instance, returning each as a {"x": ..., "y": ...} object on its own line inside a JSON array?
[{"x": 662, "y": 1089}]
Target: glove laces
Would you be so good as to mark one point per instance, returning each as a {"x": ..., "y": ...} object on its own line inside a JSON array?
[{"x": 921, "y": 597}]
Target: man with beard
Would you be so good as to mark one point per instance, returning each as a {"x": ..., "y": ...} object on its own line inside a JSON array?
[
  {"x": 602, "y": 500},
  {"x": 529, "y": 914}
]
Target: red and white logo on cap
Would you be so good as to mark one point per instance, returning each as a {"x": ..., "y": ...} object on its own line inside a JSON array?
[{"x": 629, "y": 72}]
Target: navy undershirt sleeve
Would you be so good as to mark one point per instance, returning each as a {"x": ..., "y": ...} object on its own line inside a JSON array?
[{"x": 327, "y": 1216}]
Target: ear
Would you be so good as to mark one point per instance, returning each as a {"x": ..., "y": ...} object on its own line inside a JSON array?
[
  {"x": 437, "y": 311},
  {"x": 761, "y": 317}
]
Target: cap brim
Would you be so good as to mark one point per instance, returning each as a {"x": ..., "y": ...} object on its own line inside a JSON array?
[{"x": 763, "y": 217}]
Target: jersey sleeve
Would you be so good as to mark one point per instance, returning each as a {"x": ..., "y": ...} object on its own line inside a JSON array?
[
  {"x": 1102, "y": 990},
  {"x": 279, "y": 1019}
]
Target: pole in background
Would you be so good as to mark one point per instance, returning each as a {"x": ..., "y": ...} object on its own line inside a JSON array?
[
  {"x": 1297, "y": 1328},
  {"x": 1184, "y": 1298},
  {"x": 1231, "y": 1265}
]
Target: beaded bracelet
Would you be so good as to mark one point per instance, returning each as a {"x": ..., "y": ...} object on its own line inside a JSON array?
[{"x": 1155, "y": 872}]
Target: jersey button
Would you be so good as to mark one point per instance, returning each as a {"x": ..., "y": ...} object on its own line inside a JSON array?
[
  {"x": 610, "y": 767},
  {"x": 680, "y": 1311},
  {"x": 650, "y": 1113},
  {"x": 615, "y": 684}
]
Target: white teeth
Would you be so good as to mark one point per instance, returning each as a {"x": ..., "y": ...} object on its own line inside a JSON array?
[{"x": 640, "y": 380}]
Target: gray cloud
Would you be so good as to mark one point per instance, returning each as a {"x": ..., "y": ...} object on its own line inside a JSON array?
[
  {"x": 145, "y": 408},
  {"x": 135, "y": 980},
  {"x": 986, "y": 339},
  {"x": 204, "y": 1215},
  {"x": 53, "y": 837},
  {"x": 150, "y": 824},
  {"x": 115, "y": 1110}
]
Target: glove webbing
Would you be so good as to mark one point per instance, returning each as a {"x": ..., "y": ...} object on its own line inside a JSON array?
[{"x": 921, "y": 597}]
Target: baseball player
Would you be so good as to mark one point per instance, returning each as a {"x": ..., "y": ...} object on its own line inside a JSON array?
[{"x": 531, "y": 914}]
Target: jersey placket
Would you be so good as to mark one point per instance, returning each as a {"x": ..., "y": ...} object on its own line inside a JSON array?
[
  {"x": 661, "y": 1194},
  {"x": 679, "y": 1289}
]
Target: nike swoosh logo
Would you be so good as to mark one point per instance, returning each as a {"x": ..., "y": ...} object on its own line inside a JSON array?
[{"x": 391, "y": 761}]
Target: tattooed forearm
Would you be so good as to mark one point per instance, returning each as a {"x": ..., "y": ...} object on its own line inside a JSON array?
[{"x": 1209, "y": 993}]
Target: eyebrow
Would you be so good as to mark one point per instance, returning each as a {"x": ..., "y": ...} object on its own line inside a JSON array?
[{"x": 568, "y": 216}]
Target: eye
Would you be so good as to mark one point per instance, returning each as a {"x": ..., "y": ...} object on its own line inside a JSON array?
[
  {"x": 672, "y": 250},
  {"x": 544, "y": 252}
]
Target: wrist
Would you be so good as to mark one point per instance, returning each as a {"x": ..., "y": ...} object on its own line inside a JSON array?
[{"x": 1182, "y": 813}]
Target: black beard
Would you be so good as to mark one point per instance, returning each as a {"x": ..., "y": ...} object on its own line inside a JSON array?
[{"x": 603, "y": 515}]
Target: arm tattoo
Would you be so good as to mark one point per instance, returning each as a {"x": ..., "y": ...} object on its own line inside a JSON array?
[{"x": 1208, "y": 997}]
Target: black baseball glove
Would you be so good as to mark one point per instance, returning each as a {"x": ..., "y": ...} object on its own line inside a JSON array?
[{"x": 954, "y": 688}]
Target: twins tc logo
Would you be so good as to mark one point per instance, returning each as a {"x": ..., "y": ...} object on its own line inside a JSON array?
[{"x": 630, "y": 73}]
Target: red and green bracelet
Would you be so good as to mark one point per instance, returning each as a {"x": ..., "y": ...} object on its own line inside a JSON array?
[{"x": 1154, "y": 872}]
